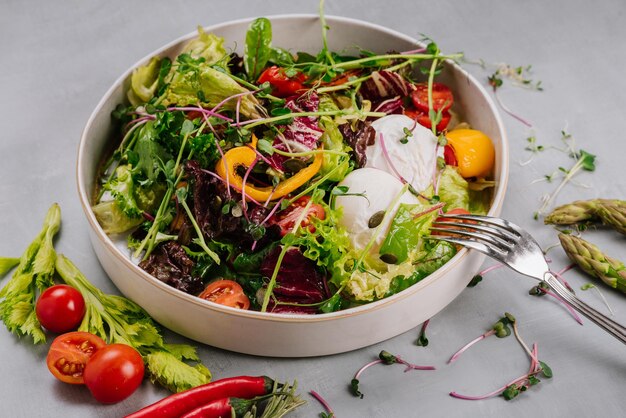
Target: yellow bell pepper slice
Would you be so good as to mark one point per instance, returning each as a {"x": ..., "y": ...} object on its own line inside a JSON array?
[{"x": 227, "y": 166}]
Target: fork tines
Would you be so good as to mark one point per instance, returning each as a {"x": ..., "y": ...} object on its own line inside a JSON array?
[{"x": 498, "y": 234}]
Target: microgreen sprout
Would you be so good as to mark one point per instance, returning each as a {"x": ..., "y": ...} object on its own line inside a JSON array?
[
  {"x": 584, "y": 161},
  {"x": 479, "y": 276},
  {"x": 422, "y": 341},
  {"x": 329, "y": 411},
  {"x": 543, "y": 289},
  {"x": 500, "y": 329},
  {"x": 533, "y": 148},
  {"x": 588, "y": 286},
  {"x": 519, "y": 384},
  {"x": 386, "y": 358}
]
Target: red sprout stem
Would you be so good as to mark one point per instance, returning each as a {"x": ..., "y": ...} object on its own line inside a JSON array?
[
  {"x": 456, "y": 355},
  {"x": 219, "y": 148},
  {"x": 368, "y": 365},
  {"x": 253, "y": 246},
  {"x": 269, "y": 215},
  {"x": 237, "y": 108},
  {"x": 509, "y": 111},
  {"x": 566, "y": 269},
  {"x": 234, "y": 96},
  {"x": 491, "y": 268},
  {"x": 321, "y": 400},
  {"x": 388, "y": 158},
  {"x": 147, "y": 216},
  {"x": 495, "y": 392},
  {"x": 430, "y": 209},
  {"x": 564, "y": 302},
  {"x": 201, "y": 110},
  {"x": 411, "y": 366},
  {"x": 261, "y": 156},
  {"x": 413, "y": 51},
  {"x": 141, "y": 120},
  {"x": 562, "y": 279}
]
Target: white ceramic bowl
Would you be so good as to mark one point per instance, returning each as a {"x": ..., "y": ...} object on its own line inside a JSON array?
[{"x": 283, "y": 335}]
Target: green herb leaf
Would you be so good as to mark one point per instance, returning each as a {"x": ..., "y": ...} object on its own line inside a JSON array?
[
  {"x": 354, "y": 387},
  {"x": 475, "y": 280},
  {"x": 546, "y": 370},
  {"x": 257, "y": 49},
  {"x": 387, "y": 357}
]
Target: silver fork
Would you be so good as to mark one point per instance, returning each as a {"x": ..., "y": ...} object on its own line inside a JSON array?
[{"x": 516, "y": 248}]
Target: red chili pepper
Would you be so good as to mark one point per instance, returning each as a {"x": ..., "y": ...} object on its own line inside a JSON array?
[
  {"x": 221, "y": 408},
  {"x": 180, "y": 403}
]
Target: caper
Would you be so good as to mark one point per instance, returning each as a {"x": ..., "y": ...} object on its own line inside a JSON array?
[
  {"x": 389, "y": 258},
  {"x": 376, "y": 219}
]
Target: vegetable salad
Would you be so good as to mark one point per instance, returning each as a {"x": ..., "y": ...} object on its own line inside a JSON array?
[{"x": 288, "y": 182}]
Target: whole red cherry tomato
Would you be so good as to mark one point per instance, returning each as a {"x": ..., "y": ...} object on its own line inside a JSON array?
[
  {"x": 69, "y": 354},
  {"x": 60, "y": 308},
  {"x": 113, "y": 373}
]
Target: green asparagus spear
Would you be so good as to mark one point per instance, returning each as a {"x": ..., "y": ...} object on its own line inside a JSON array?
[
  {"x": 611, "y": 212},
  {"x": 589, "y": 258}
]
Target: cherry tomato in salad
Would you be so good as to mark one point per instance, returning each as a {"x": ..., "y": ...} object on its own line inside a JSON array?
[
  {"x": 60, "y": 308},
  {"x": 422, "y": 118},
  {"x": 282, "y": 84},
  {"x": 226, "y": 292},
  {"x": 70, "y": 353},
  {"x": 473, "y": 150},
  {"x": 449, "y": 156},
  {"x": 287, "y": 218},
  {"x": 442, "y": 97},
  {"x": 114, "y": 372}
]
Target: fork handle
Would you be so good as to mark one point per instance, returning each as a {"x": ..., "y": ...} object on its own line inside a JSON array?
[{"x": 604, "y": 322}]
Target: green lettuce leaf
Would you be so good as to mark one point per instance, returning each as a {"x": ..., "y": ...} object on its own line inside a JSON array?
[
  {"x": 332, "y": 140},
  {"x": 453, "y": 189},
  {"x": 409, "y": 225},
  {"x": 7, "y": 264},
  {"x": 208, "y": 46},
  {"x": 112, "y": 219},
  {"x": 213, "y": 86},
  {"x": 122, "y": 188},
  {"x": 143, "y": 82},
  {"x": 426, "y": 264}
]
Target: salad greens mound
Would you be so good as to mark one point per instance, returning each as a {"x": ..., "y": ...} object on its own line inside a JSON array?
[{"x": 286, "y": 182}]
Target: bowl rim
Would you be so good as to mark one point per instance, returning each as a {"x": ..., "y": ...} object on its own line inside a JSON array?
[{"x": 85, "y": 199}]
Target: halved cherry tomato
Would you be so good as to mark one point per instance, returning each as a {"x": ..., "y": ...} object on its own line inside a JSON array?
[
  {"x": 422, "y": 118},
  {"x": 283, "y": 85},
  {"x": 226, "y": 292},
  {"x": 69, "y": 354},
  {"x": 449, "y": 156},
  {"x": 60, "y": 308},
  {"x": 114, "y": 373},
  {"x": 442, "y": 97},
  {"x": 287, "y": 218}
]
